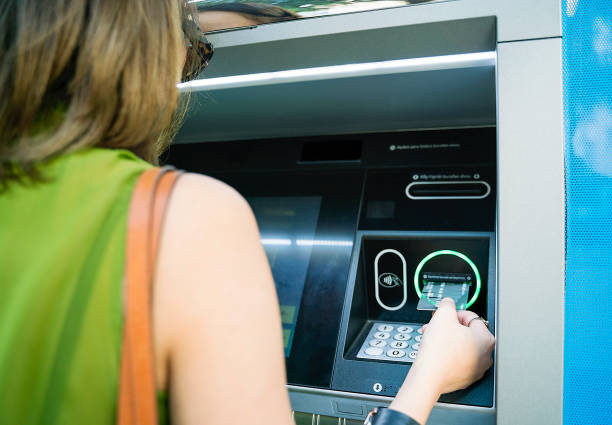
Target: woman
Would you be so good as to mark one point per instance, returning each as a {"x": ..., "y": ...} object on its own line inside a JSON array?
[{"x": 87, "y": 95}]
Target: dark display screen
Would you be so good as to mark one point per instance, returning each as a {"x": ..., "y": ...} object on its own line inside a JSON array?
[
  {"x": 287, "y": 226},
  {"x": 307, "y": 228}
]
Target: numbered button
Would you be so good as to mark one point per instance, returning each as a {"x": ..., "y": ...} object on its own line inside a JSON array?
[
  {"x": 396, "y": 353},
  {"x": 418, "y": 338},
  {"x": 420, "y": 331},
  {"x": 385, "y": 328},
  {"x": 415, "y": 346},
  {"x": 412, "y": 355},
  {"x": 382, "y": 335},
  {"x": 398, "y": 344},
  {"x": 377, "y": 343},
  {"x": 405, "y": 329},
  {"x": 401, "y": 337},
  {"x": 373, "y": 351}
]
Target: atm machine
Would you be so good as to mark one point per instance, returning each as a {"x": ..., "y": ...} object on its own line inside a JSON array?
[
  {"x": 389, "y": 155},
  {"x": 358, "y": 229}
]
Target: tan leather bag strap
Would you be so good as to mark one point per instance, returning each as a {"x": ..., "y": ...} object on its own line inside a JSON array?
[{"x": 137, "y": 404}]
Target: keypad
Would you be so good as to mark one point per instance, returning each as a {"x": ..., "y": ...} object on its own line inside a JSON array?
[
  {"x": 373, "y": 351},
  {"x": 382, "y": 335},
  {"x": 398, "y": 344},
  {"x": 401, "y": 337},
  {"x": 393, "y": 342},
  {"x": 396, "y": 353}
]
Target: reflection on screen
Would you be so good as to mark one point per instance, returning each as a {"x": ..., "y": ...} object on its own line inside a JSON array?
[
  {"x": 287, "y": 226},
  {"x": 224, "y": 14}
]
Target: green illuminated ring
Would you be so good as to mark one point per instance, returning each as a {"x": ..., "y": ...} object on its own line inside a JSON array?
[{"x": 456, "y": 254}]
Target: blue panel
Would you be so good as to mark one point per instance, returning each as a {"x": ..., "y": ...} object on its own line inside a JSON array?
[{"x": 587, "y": 49}]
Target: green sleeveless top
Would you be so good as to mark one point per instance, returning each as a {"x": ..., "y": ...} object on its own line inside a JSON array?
[{"x": 61, "y": 270}]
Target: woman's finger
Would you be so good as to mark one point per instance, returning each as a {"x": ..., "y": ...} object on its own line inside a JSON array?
[
  {"x": 465, "y": 316},
  {"x": 446, "y": 307}
]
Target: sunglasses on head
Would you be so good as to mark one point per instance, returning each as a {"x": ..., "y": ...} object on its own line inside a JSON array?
[{"x": 199, "y": 53}]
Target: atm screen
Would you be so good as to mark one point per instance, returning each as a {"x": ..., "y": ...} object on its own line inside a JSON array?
[{"x": 287, "y": 226}]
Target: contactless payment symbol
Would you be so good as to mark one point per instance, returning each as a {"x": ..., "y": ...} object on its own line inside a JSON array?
[{"x": 389, "y": 280}]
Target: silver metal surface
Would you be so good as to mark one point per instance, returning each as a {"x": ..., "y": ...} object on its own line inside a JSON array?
[
  {"x": 447, "y": 98},
  {"x": 399, "y": 66},
  {"x": 530, "y": 233},
  {"x": 296, "y": 389},
  {"x": 321, "y": 402},
  {"x": 518, "y": 19},
  {"x": 356, "y": 46}
]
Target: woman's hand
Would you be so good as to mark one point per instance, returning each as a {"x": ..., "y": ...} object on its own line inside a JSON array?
[
  {"x": 452, "y": 356},
  {"x": 451, "y": 353}
]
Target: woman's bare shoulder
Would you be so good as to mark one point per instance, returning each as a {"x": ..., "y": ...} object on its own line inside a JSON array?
[
  {"x": 213, "y": 283},
  {"x": 208, "y": 224},
  {"x": 206, "y": 218},
  {"x": 198, "y": 196}
]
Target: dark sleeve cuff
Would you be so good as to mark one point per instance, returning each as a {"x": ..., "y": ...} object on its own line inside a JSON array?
[{"x": 385, "y": 416}]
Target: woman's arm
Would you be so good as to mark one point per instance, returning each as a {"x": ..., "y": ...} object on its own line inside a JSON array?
[
  {"x": 455, "y": 352},
  {"x": 216, "y": 316}
]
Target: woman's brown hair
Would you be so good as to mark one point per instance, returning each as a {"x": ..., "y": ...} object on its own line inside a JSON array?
[{"x": 84, "y": 73}]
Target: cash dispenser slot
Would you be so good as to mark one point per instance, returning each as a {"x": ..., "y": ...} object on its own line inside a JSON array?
[{"x": 448, "y": 190}]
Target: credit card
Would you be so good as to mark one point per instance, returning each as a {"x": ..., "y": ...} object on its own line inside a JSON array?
[{"x": 437, "y": 286}]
